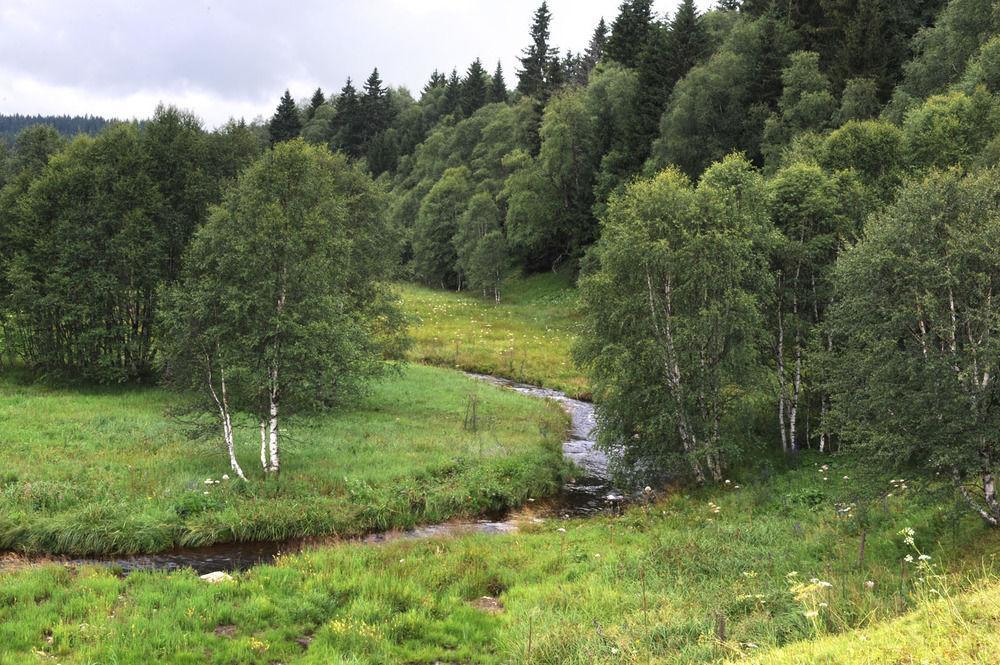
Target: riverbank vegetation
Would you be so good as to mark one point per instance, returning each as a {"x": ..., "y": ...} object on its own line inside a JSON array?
[
  {"x": 105, "y": 470},
  {"x": 770, "y": 558}
]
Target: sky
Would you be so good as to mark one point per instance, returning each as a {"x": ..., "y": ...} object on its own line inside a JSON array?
[{"x": 234, "y": 58}]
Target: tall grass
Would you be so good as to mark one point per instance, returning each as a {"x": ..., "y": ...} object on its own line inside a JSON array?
[
  {"x": 106, "y": 471},
  {"x": 526, "y": 337}
]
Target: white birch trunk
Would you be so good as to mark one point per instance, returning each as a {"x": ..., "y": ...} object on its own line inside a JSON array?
[
  {"x": 227, "y": 421},
  {"x": 274, "y": 463}
]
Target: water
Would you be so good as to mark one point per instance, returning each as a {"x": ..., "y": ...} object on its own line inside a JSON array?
[{"x": 589, "y": 493}]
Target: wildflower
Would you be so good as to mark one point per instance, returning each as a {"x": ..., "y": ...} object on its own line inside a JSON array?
[
  {"x": 847, "y": 477},
  {"x": 561, "y": 530},
  {"x": 225, "y": 476},
  {"x": 869, "y": 584},
  {"x": 825, "y": 585},
  {"x": 908, "y": 558},
  {"x": 648, "y": 489},
  {"x": 208, "y": 481},
  {"x": 750, "y": 645},
  {"x": 402, "y": 560},
  {"x": 736, "y": 487},
  {"x": 728, "y": 482},
  {"x": 810, "y": 614},
  {"x": 924, "y": 557},
  {"x": 823, "y": 605}
]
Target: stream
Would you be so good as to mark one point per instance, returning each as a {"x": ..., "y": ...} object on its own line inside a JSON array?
[{"x": 589, "y": 493}]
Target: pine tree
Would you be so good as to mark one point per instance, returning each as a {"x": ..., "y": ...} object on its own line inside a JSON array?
[
  {"x": 630, "y": 32},
  {"x": 453, "y": 94},
  {"x": 498, "y": 87},
  {"x": 537, "y": 58},
  {"x": 346, "y": 124},
  {"x": 318, "y": 99},
  {"x": 475, "y": 92},
  {"x": 728, "y": 5},
  {"x": 594, "y": 52},
  {"x": 285, "y": 124}
]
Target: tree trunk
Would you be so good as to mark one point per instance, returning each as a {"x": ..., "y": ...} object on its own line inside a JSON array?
[
  {"x": 227, "y": 422},
  {"x": 274, "y": 463}
]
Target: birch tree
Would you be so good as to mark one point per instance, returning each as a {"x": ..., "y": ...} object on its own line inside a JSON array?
[
  {"x": 919, "y": 324},
  {"x": 674, "y": 318},
  {"x": 281, "y": 308},
  {"x": 815, "y": 212}
]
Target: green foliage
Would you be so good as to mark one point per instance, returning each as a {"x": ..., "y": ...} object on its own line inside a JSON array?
[
  {"x": 917, "y": 324},
  {"x": 721, "y": 106},
  {"x": 673, "y": 318},
  {"x": 873, "y": 149},
  {"x": 806, "y": 104},
  {"x": 951, "y": 129},
  {"x": 481, "y": 247},
  {"x": 859, "y": 101},
  {"x": 535, "y": 79},
  {"x": 943, "y": 50},
  {"x": 434, "y": 255},
  {"x": 285, "y": 124},
  {"x": 630, "y": 32},
  {"x": 281, "y": 289}
]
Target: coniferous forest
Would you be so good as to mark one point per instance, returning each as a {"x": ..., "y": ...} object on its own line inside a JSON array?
[{"x": 763, "y": 240}]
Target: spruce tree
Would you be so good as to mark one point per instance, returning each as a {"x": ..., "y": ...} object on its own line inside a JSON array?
[
  {"x": 437, "y": 80},
  {"x": 630, "y": 32},
  {"x": 498, "y": 87},
  {"x": 453, "y": 94},
  {"x": 595, "y": 50},
  {"x": 475, "y": 92},
  {"x": 537, "y": 58},
  {"x": 688, "y": 41},
  {"x": 346, "y": 124},
  {"x": 285, "y": 124},
  {"x": 318, "y": 99},
  {"x": 376, "y": 108},
  {"x": 656, "y": 80}
]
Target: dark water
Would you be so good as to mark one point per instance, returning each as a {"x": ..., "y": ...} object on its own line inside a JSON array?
[{"x": 589, "y": 493}]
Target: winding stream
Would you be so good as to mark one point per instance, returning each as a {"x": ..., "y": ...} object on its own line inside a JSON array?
[{"x": 589, "y": 493}]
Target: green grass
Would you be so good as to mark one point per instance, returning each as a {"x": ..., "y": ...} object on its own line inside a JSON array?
[
  {"x": 101, "y": 471},
  {"x": 645, "y": 587},
  {"x": 962, "y": 629},
  {"x": 526, "y": 337}
]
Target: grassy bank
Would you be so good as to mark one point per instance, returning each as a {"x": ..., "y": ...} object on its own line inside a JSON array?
[
  {"x": 101, "y": 471},
  {"x": 961, "y": 629},
  {"x": 527, "y": 337},
  {"x": 703, "y": 576}
]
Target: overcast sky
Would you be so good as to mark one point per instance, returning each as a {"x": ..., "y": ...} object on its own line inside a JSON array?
[{"x": 232, "y": 58}]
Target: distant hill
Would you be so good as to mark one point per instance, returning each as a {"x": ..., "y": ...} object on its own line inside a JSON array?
[{"x": 11, "y": 125}]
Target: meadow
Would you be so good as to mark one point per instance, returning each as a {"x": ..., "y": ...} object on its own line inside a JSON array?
[
  {"x": 108, "y": 470},
  {"x": 527, "y": 337},
  {"x": 728, "y": 573}
]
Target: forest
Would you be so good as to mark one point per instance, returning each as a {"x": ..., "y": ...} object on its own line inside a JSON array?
[{"x": 762, "y": 239}]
